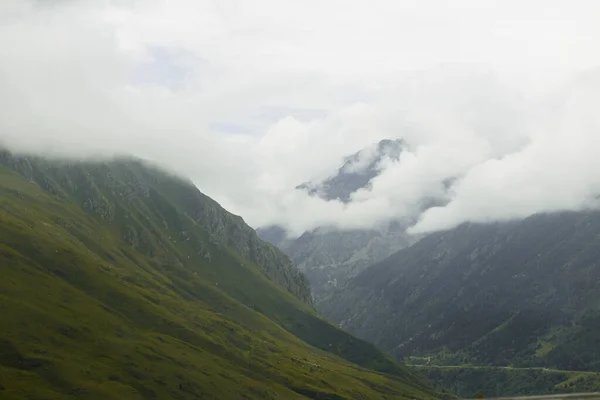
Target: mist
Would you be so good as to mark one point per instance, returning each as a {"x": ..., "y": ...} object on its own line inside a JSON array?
[{"x": 250, "y": 99}]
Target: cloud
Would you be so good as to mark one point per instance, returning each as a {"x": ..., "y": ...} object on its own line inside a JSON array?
[
  {"x": 250, "y": 99},
  {"x": 557, "y": 171}
]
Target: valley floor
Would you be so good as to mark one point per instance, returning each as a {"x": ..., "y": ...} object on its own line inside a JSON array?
[{"x": 468, "y": 380}]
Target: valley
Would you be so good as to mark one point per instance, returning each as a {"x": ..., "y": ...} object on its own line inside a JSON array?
[
  {"x": 510, "y": 307},
  {"x": 466, "y": 381},
  {"x": 299, "y": 200},
  {"x": 152, "y": 267}
]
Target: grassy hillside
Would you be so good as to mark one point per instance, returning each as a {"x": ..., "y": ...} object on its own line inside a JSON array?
[{"x": 117, "y": 284}]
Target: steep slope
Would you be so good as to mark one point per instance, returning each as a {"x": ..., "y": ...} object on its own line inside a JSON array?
[
  {"x": 124, "y": 192},
  {"x": 117, "y": 284},
  {"x": 329, "y": 257},
  {"x": 523, "y": 293}
]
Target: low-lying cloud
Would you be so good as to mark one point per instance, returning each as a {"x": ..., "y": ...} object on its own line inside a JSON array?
[{"x": 250, "y": 99}]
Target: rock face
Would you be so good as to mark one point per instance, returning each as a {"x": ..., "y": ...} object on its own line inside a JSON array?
[
  {"x": 522, "y": 293},
  {"x": 330, "y": 257},
  {"x": 121, "y": 190}
]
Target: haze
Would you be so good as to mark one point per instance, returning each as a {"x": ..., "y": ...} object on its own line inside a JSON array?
[{"x": 252, "y": 98}]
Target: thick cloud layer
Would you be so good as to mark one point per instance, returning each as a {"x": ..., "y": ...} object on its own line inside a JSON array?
[{"x": 251, "y": 98}]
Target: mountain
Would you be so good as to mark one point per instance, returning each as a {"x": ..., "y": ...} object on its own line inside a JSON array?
[
  {"x": 522, "y": 294},
  {"x": 121, "y": 281},
  {"x": 329, "y": 257},
  {"x": 357, "y": 172}
]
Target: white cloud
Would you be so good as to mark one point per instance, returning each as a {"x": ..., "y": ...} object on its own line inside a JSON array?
[
  {"x": 557, "y": 171},
  {"x": 251, "y": 98}
]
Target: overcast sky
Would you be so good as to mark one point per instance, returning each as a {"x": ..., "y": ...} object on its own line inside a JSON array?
[{"x": 250, "y": 98}]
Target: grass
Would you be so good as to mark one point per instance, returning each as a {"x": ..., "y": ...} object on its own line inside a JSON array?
[
  {"x": 86, "y": 313},
  {"x": 466, "y": 381}
]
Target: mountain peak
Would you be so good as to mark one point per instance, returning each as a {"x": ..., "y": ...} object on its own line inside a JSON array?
[{"x": 357, "y": 172}]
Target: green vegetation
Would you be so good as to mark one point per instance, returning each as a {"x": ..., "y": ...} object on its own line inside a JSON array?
[
  {"x": 471, "y": 381},
  {"x": 121, "y": 282}
]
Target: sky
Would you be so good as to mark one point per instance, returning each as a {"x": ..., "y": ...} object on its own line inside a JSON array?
[{"x": 251, "y": 98}]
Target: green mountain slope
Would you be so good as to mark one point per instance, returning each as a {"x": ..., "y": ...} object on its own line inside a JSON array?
[
  {"x": 122, "y": 282},
  {"x": 524, "y": 293}
]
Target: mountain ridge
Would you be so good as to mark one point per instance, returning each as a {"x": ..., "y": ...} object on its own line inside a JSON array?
[{"x": 228, "y": 229}]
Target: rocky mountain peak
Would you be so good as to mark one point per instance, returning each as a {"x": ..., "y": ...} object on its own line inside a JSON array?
[{"x": 357, "y": 171}]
